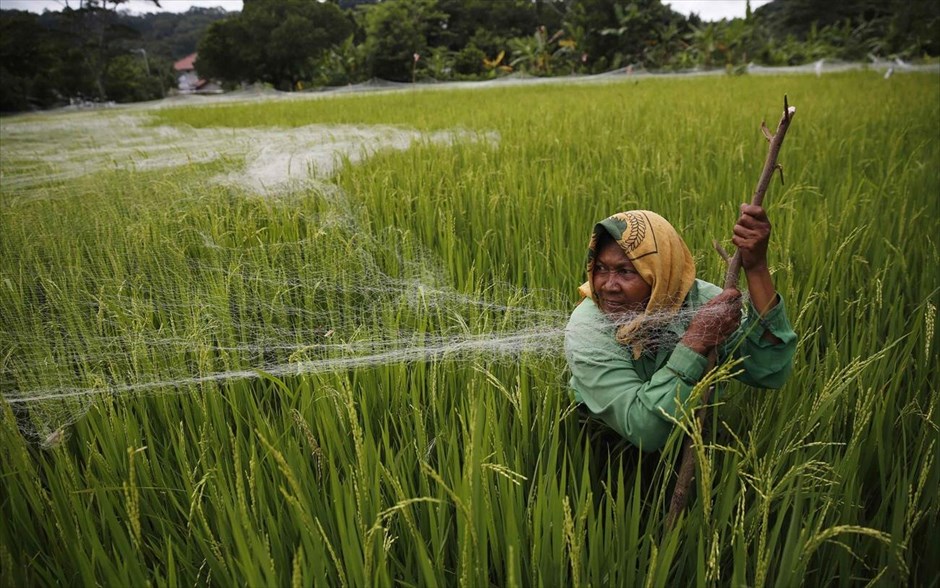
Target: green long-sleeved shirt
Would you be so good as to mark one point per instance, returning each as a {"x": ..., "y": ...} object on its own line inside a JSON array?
[{"x": 632, "y": 395}]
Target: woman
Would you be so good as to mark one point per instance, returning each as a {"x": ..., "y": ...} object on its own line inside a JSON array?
[{"x": 640, "y": 339}]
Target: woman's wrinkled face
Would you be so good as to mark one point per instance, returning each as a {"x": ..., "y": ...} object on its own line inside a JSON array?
[{"x": 617, "y": 284}]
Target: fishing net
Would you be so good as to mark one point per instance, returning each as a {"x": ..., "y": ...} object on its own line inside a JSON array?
[
  {"x": 238, "y": 315},
  {"x": 227, "y": 313},
  {"x": 153, "y": 298},
  {"x": 184, "y": 295},
  {"x": 38, "y": 152}
]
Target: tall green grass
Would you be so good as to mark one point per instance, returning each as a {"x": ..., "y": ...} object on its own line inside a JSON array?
[{"x": 476, "y": 470}]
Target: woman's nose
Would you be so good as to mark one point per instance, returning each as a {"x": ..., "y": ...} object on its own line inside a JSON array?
[{"x": 609, "y": 284}]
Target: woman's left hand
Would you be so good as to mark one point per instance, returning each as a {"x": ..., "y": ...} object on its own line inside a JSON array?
[{"x": 751, "y": 236}]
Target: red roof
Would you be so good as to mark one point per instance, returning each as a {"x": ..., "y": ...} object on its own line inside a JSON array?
[{"x": 186, "y": 63}]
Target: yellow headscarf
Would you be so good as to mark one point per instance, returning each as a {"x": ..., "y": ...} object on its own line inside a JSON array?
[{"x": 662, "y": 259}]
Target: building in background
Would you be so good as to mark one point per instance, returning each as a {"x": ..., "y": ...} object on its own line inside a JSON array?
[{"x": 188, "y": 80}]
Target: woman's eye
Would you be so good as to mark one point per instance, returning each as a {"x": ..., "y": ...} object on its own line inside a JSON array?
[{"x": 620, "y": 272}]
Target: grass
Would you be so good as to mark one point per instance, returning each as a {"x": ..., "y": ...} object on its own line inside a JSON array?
[{"x": 470, "y": 468}]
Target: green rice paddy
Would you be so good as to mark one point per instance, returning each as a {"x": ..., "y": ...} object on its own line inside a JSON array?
[{"x": 358, "y": 379}]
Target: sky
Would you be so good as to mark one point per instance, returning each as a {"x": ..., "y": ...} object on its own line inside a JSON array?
[
  {"x": 707, "y": 9},
  {"x": 135, "y": 6},
  {"x": 712, "y": 9}
]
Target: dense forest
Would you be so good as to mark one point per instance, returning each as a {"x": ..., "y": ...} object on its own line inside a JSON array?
[
  {"x": 97, "y": 52},
  {"x": 94, "y": 53}
]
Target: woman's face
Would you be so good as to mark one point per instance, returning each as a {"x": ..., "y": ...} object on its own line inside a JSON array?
[{"x": 617, "y": 284}]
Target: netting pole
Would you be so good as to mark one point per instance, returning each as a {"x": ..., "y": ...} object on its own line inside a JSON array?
[{"x": 680, "y": 495}]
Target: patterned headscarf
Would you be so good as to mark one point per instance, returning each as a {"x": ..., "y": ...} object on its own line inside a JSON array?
[{"x": 663, "y": 261}]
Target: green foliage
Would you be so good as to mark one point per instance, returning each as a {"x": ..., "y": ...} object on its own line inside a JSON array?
[
  {"x": 50, "y": 58},
  {"x": 533, "y": 53},
  {"x": 397, "y": 30},
  {"x": 620, "y": 32},
  {"x": 439, "y": 65},
  {"x": 172, "y": 36},
  {"x": 273, "y": 41},
  {"x": 469, "y": 60},
  {"x": 298, "y": 43},
  {"x": 225, "y": 52},
  {"x": 344, "y": 64},
  {"x": 93, "y": 35},
  {"x": 129, "y": 79},
  {"x": 468, "y": 19},
  {"x": 24, "y": 61},
  {"x": 856, "y": 28}
]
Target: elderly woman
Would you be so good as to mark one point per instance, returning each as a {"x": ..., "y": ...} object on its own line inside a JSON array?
[{"x": 640, "y": 339}]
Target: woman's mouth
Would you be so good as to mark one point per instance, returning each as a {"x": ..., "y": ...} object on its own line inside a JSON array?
[
  {"x": 615, "y": 306},
  {"x": 618, "y": 306}
]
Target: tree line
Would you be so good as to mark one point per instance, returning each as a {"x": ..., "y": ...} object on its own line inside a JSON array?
[
  {"x": 98, "y": 53},
  {"x": 94, "y": 53}
]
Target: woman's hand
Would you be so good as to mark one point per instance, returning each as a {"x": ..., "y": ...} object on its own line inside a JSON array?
[
  {"x": 751, "y": 236},
  {"x": 714, "y": 322}
]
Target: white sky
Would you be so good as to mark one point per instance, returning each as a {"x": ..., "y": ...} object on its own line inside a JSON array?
[
  {"x": 711, "y": 9},
  {"x": 135, "y": 6},
  {"x": 707, "y": 9}
]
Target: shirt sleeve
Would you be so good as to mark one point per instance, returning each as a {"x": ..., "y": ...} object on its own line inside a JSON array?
[
  {"x": 765, "y": 364},
  {"x": 605, "y": 379}
]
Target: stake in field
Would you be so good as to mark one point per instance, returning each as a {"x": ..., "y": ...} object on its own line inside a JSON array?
[{"x": 318, "y": 341}]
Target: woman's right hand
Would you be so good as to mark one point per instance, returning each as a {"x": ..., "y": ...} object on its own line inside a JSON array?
[{"x": 714, "y": 322}]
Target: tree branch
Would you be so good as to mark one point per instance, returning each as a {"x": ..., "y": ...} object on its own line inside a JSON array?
[{"x": 680, "y": 495}]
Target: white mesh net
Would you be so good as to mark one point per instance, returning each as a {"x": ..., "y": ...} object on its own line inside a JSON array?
[
  {"x": 202, "y": 312},
  {"x": 166, "y": 304}
]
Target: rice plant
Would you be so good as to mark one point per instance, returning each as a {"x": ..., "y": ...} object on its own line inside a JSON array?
[{"x": 355, "y": 377}]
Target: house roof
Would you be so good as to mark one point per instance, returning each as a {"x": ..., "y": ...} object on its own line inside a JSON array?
[{"x": 186, "y": 63}]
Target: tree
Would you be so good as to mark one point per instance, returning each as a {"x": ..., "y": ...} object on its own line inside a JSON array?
[
  {"x": 24, "y": 57},
  {"x": 343, "y": 64},
  {"x": 95, "y": 52},
  {"x": 396, "y": 31},
  {"x": 225, "y": 52},
  {"x": 907, "y": 28},
  {"x": 537, "y": 54},
  {"x": 172, "y": 36},
  {"x": 128, "y": 80},
  {"x": 504, "y": 19},
  {"x": 620, "y": 32},
  {"x": 96, "y": 32},
  {"x": 274, "y": 41},
  {"x": 47, "y": 58}
]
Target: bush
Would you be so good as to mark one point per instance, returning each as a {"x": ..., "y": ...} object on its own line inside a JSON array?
[
  {"x": 13, "y": 92},
  {"x": 127, "y": 80},
  {"x": 469, "y": 60}
]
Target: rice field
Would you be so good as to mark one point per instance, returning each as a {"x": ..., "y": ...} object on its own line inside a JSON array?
[{"x": 318, "y": 342}]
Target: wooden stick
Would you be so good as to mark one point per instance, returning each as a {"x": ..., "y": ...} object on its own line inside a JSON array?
[
  {"x": 770, "y": 166},
  {"x": 680, "y": 495}
]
